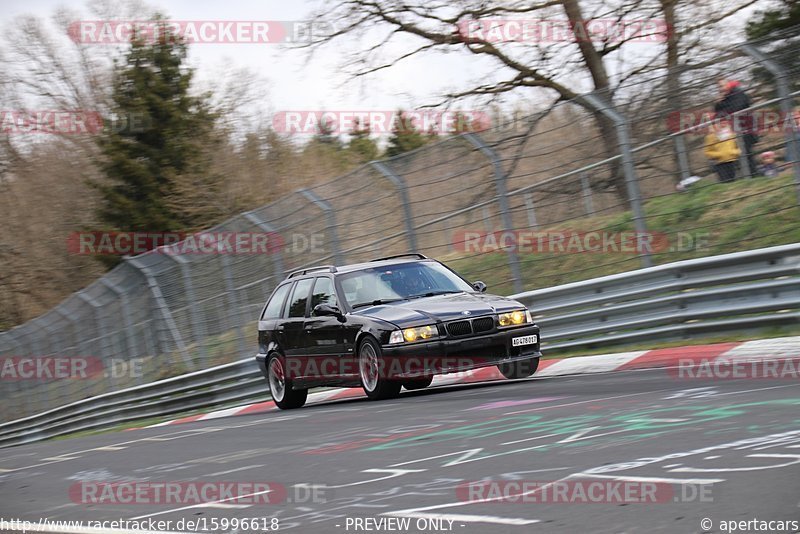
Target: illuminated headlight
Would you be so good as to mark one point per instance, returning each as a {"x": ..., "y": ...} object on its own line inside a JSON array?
[
  {"x": 514, "y": 318},
  {"x": 419, "y": 333}
]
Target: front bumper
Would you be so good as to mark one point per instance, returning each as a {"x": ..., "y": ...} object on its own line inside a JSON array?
[{"x": 452, "y": 355}]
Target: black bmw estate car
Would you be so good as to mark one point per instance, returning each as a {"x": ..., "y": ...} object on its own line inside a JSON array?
[{"x": 390, "y": 323}]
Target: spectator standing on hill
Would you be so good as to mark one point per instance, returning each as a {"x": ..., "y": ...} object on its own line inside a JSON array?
[
  {"x": 720, "y": 147},
  {"x": 735, "y": 99}
]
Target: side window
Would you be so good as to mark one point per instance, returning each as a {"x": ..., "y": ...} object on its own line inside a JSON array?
[
  {"x": 275, "y": 304},
  {"x": 297, "y": 304},
  {"x": 323, "y": 292}
]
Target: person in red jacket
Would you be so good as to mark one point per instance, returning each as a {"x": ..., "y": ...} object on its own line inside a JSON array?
[{"x": 733, "y": 99}]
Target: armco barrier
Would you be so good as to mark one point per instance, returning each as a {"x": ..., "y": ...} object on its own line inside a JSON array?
[{"x": 739, "y": 292}]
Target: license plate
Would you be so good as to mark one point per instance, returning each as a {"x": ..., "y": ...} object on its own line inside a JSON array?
[{"x": 524, "y": 340}]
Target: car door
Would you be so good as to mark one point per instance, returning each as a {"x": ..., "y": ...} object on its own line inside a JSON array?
[
  {"x": 290, "y": 329},
  {"x": 325, "y": 334}
]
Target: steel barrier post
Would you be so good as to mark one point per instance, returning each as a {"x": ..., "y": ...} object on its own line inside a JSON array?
[
  {"x": 277, "y": 255},
  {"x": 330, "y": 215},
  {"x": 400, "y": 183},
  {"x": 683, "y": 158},
  {"x": 502, "y": 198},
  {"x": 198, "y": 330},
  {"x": 162, "y": 309},
  {"x": 631, "y": 179}
]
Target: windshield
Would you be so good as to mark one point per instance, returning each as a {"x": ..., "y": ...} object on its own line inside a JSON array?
[{"x": 399, "y": 282}]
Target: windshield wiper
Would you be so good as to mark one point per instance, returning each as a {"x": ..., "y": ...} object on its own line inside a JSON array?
[
  {"x": 374, "y": 303},
  {"x": 433, "y": 294}
]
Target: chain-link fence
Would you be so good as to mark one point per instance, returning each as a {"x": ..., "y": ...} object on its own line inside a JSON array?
[{"x": 601, "y": 184}]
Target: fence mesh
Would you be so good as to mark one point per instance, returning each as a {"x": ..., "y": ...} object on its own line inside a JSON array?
[{"x": 506, "y": 205}]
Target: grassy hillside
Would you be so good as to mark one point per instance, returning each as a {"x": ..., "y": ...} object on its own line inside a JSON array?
[{"x": 706, "y": 220}]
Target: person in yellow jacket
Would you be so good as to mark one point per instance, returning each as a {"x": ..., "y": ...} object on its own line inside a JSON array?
[{"x": 721, "y": 148}]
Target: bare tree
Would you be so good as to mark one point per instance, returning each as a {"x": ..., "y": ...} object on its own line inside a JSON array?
[{"x": 398, "y": 31}]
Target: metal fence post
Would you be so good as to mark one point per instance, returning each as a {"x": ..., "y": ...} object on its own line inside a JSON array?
[
  {"x": 103, "y": 330},
  {"x": 14, "y": 387},
  {"x": 744, "y": 163},
  {"x": 400, "y": 183},
  {"x": 73, "y": 330},
  {"x": 502, "y": 198},
  {"x": 162, "y": 309},
  {"x": 277, "y": 255},
  {"x": 330, "y": 215},
  {"x": 588, "y": 204},
  {"x": 782, "y": 87},
  {"x": 233, "y": 303},
  {"x": 683, "y": 158},
  {"x": 198, "y": 331},
  {"x": 631, "y": 179},
  {"x": 125, "y": 311}
]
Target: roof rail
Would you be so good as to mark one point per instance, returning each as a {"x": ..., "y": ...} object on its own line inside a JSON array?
[
  {"x": 301, "y": 272},
  {"x": 407, "y": 255}
]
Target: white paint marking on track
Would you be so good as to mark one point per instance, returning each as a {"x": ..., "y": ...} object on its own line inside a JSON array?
[
  {"x": 469, "y": 518},
  {"x": 392, "y": 474},
  {"x": 657, "y": 480},
  {"x": 535, "y": 438},
  {"x": 795, "y": 457},
  {"x": 234, "y": 470}
]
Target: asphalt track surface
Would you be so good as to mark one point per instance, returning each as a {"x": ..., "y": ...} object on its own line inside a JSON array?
[{"x": 725, "y": 450}]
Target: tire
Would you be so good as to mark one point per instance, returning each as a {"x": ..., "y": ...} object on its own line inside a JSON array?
[
  {"x": 284, "y": 396},
  {"x": 369, "y": 369},
  {"x": 418, "y": 383},
  {"x": 520, "y": 369}
]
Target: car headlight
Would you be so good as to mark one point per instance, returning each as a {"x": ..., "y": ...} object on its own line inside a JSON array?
[
  {"x": 419, "y": 333},
  {"x": 515, "y": 317}
]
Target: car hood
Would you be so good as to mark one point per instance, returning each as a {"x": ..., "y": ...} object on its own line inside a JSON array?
[{"x": 443, "y": 308}]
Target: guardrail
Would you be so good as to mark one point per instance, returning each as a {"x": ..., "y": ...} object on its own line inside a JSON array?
[{"x": 740, "y": 291}]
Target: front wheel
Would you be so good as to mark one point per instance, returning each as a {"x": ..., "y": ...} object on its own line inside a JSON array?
[
  {"x": 376, "y": 387},
  {"x": 280, "y": 386},
  {"x": 519, "y": 369}
]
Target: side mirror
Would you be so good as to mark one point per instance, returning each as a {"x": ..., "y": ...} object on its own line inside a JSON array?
[
  {"x": 326, "y": 310},
  {"x": 479, "y": 286}
]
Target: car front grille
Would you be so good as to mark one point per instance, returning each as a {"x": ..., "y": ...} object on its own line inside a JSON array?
[
  {"x": 467, "y": 327},
  {"x": 459, "y": 328},
  {"x": 482, "y": 324}
]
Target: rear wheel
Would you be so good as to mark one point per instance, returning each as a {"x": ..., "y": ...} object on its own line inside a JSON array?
[
  {"x": 376, "y": 387},
  {"x": 280, "y": 386},
  {"x": 418, "y": 383},
  {"x": 519, "y": 369}
]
